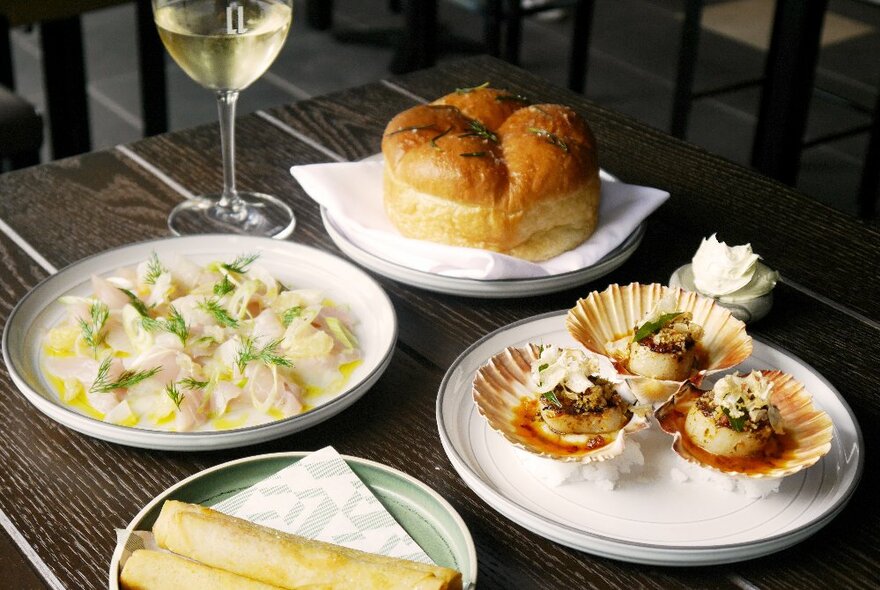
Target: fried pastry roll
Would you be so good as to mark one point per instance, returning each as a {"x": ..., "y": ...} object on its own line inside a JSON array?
[
  {"x": 159, "y": 570},
  {"x": 286, "y": 560}
]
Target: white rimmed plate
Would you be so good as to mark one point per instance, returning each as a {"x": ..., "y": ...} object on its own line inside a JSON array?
[
  {"x": 650, "y": 518},
  {"x": 293, "y": 264},
  {"x": 422, "y": 512},
  {"x": 493, "y": 288}
]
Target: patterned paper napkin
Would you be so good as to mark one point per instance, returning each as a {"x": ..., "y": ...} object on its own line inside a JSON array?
[
  {"x": 318, "y": 497},
  {"x": 321, "y": 498}
]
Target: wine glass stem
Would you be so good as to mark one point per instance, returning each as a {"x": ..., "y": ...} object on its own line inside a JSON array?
[{"x": 226, "y": 100}]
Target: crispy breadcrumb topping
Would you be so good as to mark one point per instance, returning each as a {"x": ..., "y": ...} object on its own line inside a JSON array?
[
  {"x": 568, "y": 380},
  {"x": 741, "y": 402}
]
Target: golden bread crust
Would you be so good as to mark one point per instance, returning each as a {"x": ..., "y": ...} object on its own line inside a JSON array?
[{"x": 481, "y": 169}]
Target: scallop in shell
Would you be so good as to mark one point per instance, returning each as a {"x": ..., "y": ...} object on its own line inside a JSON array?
[
  {"x": 806, "y": 439},
  {"x": 604, "y": 323},
  {"x": 504, "y": 392}
]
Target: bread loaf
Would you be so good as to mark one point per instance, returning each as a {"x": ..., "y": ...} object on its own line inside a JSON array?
[{"x": 482, "y": 168}]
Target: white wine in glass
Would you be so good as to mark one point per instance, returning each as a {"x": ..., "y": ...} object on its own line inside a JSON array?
[{"x": 225, "y": 45}]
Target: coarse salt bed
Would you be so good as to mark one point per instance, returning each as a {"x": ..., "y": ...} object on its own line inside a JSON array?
[
  {"x": 684, "y": 471},
  {"x": 603, "y": 474}
]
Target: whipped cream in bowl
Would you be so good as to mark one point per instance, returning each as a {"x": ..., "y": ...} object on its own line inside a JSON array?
[{"x": 732, "y": 275}]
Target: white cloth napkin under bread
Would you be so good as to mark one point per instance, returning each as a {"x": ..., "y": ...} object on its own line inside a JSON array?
[{"x": 352, "y": 194}]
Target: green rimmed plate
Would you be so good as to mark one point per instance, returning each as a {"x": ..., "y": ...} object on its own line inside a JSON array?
[{"x": 429, "y": 519}]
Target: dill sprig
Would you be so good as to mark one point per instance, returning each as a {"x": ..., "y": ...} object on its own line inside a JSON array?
[
  {"x": 551, "y": 138},
  {"x": 175, "y": 394},
  {"x": 191, "y": 383},
  {"x": 125, "y": 380},
  {"x": 223, "y": 287},
  {"x": 154, "y": 269},
  {"x": 471, "y": 88},
  {"x": 240, "y": 264},
  {"x": 249, "y": 352},
  {"x": 290, "y": 314},
  {"x": 136, "y": 302},
  {"x": 411, "y": 128},
  {"x": 436, "y": 137},
  {"x": 176, "y": 325},
  {"x": 92, "y": 329},
  {"x": 139, "y": 306},
  {"x": 172, "y": 391},
  {"x": 480, "y": 130},
  {"x": 213, "y": 307},
  {"x": 473, "y": 154}
]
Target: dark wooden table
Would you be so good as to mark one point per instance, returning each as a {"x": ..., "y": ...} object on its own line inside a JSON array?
[{"x": 61, "y": 493}]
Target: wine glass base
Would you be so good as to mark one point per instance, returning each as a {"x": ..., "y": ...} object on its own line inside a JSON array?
[{"x": 258, "y": 215}]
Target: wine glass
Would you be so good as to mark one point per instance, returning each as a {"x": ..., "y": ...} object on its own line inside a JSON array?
[{"x": 225, "y": 45}]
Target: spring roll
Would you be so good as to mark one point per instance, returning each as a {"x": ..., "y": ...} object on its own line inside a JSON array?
[
  {"x": 158, "y": 570},
  {"x": 286, "y": 560}
]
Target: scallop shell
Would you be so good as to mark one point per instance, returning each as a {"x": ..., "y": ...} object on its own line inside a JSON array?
[
  {"x": 808, "y": 431},
  {"x": 505, "y": 382},
  {"x": 601, "y": 319}
]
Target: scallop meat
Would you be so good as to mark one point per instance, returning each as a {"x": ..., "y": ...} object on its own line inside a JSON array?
[
  {"x": 605, "y": 323},
  {"x": 805, "y": 438},
  {"x": 504, "y": 391}
]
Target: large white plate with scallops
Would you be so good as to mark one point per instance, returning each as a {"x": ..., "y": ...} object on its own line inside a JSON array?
[
  {"x": 294, "y": 266},
  {"x": 650, "y": 517}
]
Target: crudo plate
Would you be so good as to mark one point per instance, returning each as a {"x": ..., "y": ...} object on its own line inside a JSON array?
[
  {"x": 424, "y": 514},
  {"x": 649, "y": 518},
  {"x": 296, "y": 266}
]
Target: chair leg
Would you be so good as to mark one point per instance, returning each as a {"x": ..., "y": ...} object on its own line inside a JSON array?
[
  {"x": 514, "y": 32},
  {"x": 580, "y": 45},
  {"x": 687, "y": 66},
  {"x": 151, "y": 54},
  {"x": 65, "y": 86},
  {"x": 869, "y": 189},
  {"x": 24, "y": 160},
  {"x": 7, "y": 75},
  {"x": 421, "y": 18},
  {"x": 419, "y": 47},
  {"x": 492, "y": 27},
  {"x": 788, "y": 86},
  {"x": 319, "y": 14}
]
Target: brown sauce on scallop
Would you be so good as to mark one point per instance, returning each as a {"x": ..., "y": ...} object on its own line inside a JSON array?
[{"x": 530, "y": 427}]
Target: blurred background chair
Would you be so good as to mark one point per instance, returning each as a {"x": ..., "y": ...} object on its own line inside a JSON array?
[
  {"x": 503, "y": 30},
  {"x": 21, "y": 132},
  {"x": 634, "y": 52},
  {"x": 64, "y": 71},
  {"x": 787, "y": 87},
  {"x": 418, "y": 43}
]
